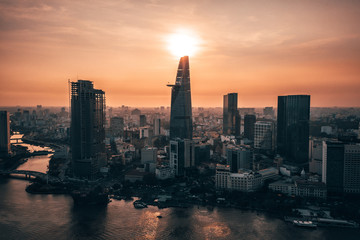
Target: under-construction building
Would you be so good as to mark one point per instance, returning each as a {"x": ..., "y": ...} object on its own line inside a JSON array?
[{"x": 87, "y": 129}]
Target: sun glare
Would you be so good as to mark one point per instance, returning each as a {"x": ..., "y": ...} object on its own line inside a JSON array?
[{"x": 182, "y": 44}]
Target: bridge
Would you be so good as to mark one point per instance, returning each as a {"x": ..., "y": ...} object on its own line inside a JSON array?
[{"x": 25, "y": 173}]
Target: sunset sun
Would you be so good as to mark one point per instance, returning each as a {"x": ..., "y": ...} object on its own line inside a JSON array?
[{"x": 183, "y": 44}]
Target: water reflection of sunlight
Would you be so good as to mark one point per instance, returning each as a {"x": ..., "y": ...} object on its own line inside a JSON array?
[
  {"x": 149, "y": 223},
  {"x": 213, "y": 228},
  {"x": 216, "y": 230}
]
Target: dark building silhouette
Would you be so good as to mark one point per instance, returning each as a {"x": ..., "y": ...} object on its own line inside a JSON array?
[
  {"x": 181, "y": 112},
  {"x": 333, "y": 166},
  {"x": 231, "y": 116},
  {"x": 4, "y": 134},
  {"x": 87, "y": 129},
  {"x": 157, "y": 126},
  {"x": 293, "y": 129},
  {"x": 269, "y": 111},
  {"x": 249, "y": 126},
  {"x": 181, "y": 155},
  {"x": 117, "y": 126},
  {"x": 142, "y": 120}
]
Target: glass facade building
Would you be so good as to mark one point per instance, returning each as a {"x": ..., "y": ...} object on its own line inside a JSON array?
[
  {"x": 293, "y": 129},
  {"x": 181, "y": 112},
  {"x": 231, "y": 116}
]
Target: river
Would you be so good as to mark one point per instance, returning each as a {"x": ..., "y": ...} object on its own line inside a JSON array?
[{"x": 28, "y": 216}]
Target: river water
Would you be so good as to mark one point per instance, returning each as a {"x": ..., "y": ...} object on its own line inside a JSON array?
[{"x": 29, "y": 216}]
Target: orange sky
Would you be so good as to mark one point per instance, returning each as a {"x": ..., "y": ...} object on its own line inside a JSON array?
[{"x": 260, "y": 49}]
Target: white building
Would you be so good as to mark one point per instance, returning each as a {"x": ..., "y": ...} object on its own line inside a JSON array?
[
  {"x": 300, "y": 188},
  {"x": 221, "y": 176},
  {"x": 247, "y": 181}
]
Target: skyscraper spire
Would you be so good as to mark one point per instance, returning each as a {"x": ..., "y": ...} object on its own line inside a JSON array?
[{"x": 181, "y": 112}]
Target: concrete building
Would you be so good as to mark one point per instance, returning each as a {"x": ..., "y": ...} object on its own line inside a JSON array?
[
  {"x": 269, "y": 173},
  {"x": 148, "y": 155},
  {"x": 231, "y": 116},
  {"x": 239, "y": 157},
  {"x": 264, "y": 138},
  {"x": 87, "y": 129},
  {"x": 5, "y": 147},
  {"x": 117, "y": 126},
  {"x": 221, "y": 176},
  {"x": 301, "y": 188},
  {"x": 181, "y": 155},
  {"x": 249, "y": 126},
  {"x": 157, "y": 126},
  {"x": 315, "y": 156},
  {"x": 142, "y": 120},
  {"x": 352, "y": 169},
  {"x": 245, "y": 181}
]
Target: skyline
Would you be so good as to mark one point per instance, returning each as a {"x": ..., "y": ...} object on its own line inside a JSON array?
[{"x": 257, "y": 50}]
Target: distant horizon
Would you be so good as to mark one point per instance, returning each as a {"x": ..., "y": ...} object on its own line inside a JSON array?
[{"x": 111, "y": 106}]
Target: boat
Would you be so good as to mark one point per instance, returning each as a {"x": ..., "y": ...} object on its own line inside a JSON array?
[
  {"x": 139, "y": 204},
  {"x": 301, "y": 223},
  {"x": 325, "y": 222}
]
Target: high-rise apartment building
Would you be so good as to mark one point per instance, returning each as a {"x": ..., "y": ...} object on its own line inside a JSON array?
[
  {"x": 87, "y": 129},
  {"x": 4, "y": 134},
  {"x": 238, "y": 157},
  {"x": 249, "y": 126},
  {"x": 293, "y": 129},
  {"x": 157, "y": 126},
  {"x": 352, "y": 168},
  {"x": 264, "y": 135},
  {"x": 231, "y": 116},
  {"x": 117, "y": 126},
  {"x": 142, "y": 120},
  {"x": 181, "y": 155},
  {"x": 181, "y": 112}
]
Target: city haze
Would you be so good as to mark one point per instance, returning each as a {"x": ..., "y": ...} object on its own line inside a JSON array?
[{"x": 255, "y": 48}]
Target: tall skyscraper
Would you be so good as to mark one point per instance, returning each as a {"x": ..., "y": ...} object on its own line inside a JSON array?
[
  {"x": 181, "y": 112},
  {"x": 333, "y": 166},
  {"x": 231, "y": 116},
  {"x": 293, "y": 129},
  {"x": 87, "y": 129},
  {"x": 352, "y": 168},
  {"x": 4, "y": 134},
  {"x": 249, "y": 126},
  {"x": 157, "y": 126}
]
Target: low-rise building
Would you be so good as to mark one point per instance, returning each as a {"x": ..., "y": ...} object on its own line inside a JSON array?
[
  {"x": 301, "y": 188},
  {"x": 164, "y": 172}
]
